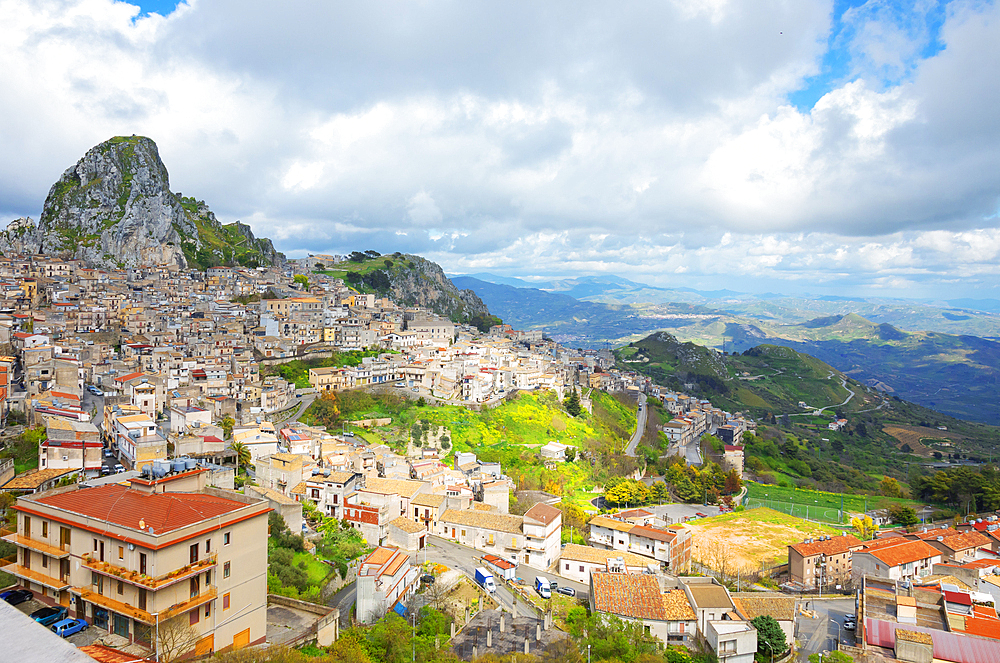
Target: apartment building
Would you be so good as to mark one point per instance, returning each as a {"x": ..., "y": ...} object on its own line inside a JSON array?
[
  {"x": 542, "y": 535},
  {"x": 826, "y": 560},
  {"x": 666, "y": 615},
  {"x": 670, "y": 546},
  {"x": 158, "y": 556},
  {"x": 136, "y": 441},
  {"x": 894, "y": 559},
  {"x": 70, "y": 445}
]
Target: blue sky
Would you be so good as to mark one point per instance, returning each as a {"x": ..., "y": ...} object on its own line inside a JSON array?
[
  {"x": 161, "y": 7},
  {"x": 821, "y": 145}
]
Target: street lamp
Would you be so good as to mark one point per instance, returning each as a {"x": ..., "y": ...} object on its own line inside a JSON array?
[
  {"x": 588, "y": 653},
  {"x": 771, "y": 648}
]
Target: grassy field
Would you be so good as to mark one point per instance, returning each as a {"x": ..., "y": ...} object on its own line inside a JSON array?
[
  {"x": 314, "y": 568},
  {"x": 748, "y": 539},
  {"x": 817, "y": 504}
]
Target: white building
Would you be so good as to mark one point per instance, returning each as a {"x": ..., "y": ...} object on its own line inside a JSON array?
[{"x": 385, "y": 578}]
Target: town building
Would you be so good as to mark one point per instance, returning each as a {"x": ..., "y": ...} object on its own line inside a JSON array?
[{"x": 385, "y": 578}]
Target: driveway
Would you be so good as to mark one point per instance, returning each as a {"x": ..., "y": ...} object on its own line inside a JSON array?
[{"x": 81, "y": 639}]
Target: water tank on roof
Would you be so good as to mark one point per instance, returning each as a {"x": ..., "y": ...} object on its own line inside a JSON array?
[
  {"x": 326, "y": 472},
  {"x": 147, "y": 470},
  {"x": 161, "y": 468},
  {"x": 190, "y": 463},
  {"x": 178, "y": 465}
]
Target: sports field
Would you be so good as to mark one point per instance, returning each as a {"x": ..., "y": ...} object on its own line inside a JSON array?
[{"x": 816, "y": 504}]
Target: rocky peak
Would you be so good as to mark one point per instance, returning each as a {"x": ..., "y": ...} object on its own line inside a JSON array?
[{"x": 114, "y": 209}]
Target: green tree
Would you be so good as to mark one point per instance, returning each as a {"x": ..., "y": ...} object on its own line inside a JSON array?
[
  {"x": 835, "y": 656},
  {"x": 573, "y": 403},
  {"x": 903, "y": 515},
  {"x": 303, "y": 279},
  {"x": 227, "y": 424},
  {"x": 890, "y": 487},
  {"x": 242, "y": 454},
  {"x": 770, "y": 637}
]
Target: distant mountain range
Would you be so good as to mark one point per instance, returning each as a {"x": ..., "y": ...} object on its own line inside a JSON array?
[{"x": 939, "y": 354}]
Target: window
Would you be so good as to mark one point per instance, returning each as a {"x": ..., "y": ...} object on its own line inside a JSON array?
[
  {"x": 581, "y": 568},
  {"x": 567, "y": 568},
  {"x": 45, "y": 529},
  {"x": 194, "y": 553},
  {"x": 225, "y": 570},
  {"x": 208, "y": 546},
  {"x": 45, "y": 561},
  {"x": 121, "y": 552},
  {"x": 121, "y": 587},
  {"x": 27, "y": 526},
  {"x": 727, "y": 647},
  {"x": 208, "y": 610},
  {"x": 225, "y": 539},
  {"x": 194, "y": 616},
  {"x": 225, "y": 601},
  {"x": 95, "y": 545}
]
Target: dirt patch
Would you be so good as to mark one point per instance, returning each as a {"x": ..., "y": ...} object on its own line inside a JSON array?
[
  {"x": 746, "y": 541},
  {"x": 912, "y": 435}
]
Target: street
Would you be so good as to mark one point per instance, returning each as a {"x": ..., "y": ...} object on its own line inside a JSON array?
[
  {"x": 465, "y": 559},
  {"x": 822, "y": 634},
  {"x": 640, "y": 426}
]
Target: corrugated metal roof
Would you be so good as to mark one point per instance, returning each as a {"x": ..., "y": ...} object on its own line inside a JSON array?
[{"x": 947, "y": 646}]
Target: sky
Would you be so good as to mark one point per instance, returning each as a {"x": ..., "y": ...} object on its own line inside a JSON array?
[{"x": 791, "y": 146}]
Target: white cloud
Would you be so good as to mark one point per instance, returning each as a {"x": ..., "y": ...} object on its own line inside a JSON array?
[{"x": 646, "y": 139}]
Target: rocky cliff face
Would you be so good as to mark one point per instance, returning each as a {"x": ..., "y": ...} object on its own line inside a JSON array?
[
  {"x": 114, "y": 209},
  {"x": 416, "y": 281}
]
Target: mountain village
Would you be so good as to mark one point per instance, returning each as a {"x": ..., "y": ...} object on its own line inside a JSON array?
[{"x": 150, "y": 388}]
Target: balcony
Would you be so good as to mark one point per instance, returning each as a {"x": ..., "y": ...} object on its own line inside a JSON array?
[
  {"x": 31, "y": 575},
  {"x": 210, "y": 594},
  {"x": 37, "y": 546},
  {"x": 148, "y": 582},
  {"x": 117, "y": 606}
]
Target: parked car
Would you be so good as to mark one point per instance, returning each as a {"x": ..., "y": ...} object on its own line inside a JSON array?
[
  {"x": 15, "y": 596},
  {"x": 119, "y": 468},
  {"x": 553, "y": 584},
  {"x": 568, "y": 591},
  {"x": 850, "y": 622},
  {"x": 105, "y": 470},
  {"x": 108, "y": 453},
  {"x": 427, "y": 579},
  {"x": 68, "y": 627},
  {"x": 49, "y": 615}
]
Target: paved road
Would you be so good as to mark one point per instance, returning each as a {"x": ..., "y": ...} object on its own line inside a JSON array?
[
  {"x": 822, "y": 633},
  {"x": 640, "y": 426},
  {"x": 344, "y": 600},
  {"x": 303, "y": 406},
  {"x": 465, "y": 559}
]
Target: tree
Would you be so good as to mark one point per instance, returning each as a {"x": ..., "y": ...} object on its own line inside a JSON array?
[
  {"x": 864, "y": 526},
  {"x": 733, "y": 482},
  {"x": 770, "y": 637},
  {"x": 421, "y": 402},
  {"x": 242, "y": 453},
  {"x": 175, "y": 638},
  {"x": 835, "y": 656},
  {"x": 326, "y": 409},
  {"x": 570, "y": 454},
  {"x": 303, "y": 279},
  {"x": 890, "y": 487},
  {"x": 903, "y": 515},
  {"x": 227, "y": 424},
  {"x": 573, "y": 403}
]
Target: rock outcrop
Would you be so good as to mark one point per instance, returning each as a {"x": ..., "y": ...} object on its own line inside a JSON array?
[
  {"x": 114, "y": 209},
  {"x": 416, "y": 281}
]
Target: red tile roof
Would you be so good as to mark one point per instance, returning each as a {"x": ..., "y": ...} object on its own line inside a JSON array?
[
  {"x": 836, "y": 545},
  {"x": 632, "y": 595},
  {"x": 904, "y": 553},
  {"x": 119, "y": 505}
]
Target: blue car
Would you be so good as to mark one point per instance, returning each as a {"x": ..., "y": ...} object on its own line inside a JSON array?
[
  {"x": 68, "y": 627},
  {"x": 15, "y": 596},
  {"x": 50, "y": 615}
]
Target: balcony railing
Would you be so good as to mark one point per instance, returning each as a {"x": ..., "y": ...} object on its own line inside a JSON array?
[
  {"x": 31, "y": 575},
  {"x": 117, "y": 606},
  {"x": 149, "y": 582},
  {"x": 37, "y": 546},
  {"x": 209, "y": 594}
]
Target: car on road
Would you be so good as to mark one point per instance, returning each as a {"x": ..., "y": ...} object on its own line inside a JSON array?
[
  {"x": 49, "y": 615},
  {"x": 108, "y": 453},
  {"x": 850, "y": 622},
  {"x": 95, "y": 391},
  {"x": 567, "y": 591},
  {"x": 553, "y": 584},
  {"x": 348, "y": 434},
  {"x": 15, "y": 596},
  {"x": 105, "y": 470},
  {"x": 68, "y": 627}
]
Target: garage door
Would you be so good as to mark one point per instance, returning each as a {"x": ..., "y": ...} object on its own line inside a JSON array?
[
  {"x": 241, "y": 639},
  {"x": 205, "y": 646}
]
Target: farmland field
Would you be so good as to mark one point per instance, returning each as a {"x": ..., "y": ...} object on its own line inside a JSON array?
[
  {"x": 817, "y": 504},
  {"x": 746, "y": 540},
  {"x": 914, "y": 436}
]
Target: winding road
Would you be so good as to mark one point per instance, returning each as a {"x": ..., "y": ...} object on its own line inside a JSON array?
[{"x": 640, "y": 426}]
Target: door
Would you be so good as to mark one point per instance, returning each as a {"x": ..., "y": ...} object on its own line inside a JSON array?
[
  {"x": 64, "y": 599},
  {"x": 101, "y": 548},
  {"x": 206, "y": 646},
  {"x": 121, "y": 625},
  {"x": 241, "y": 639}
]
